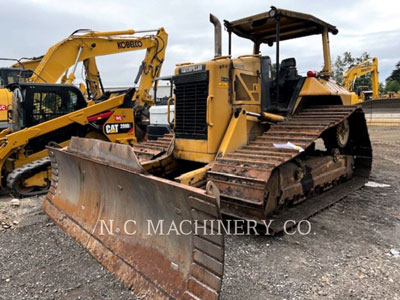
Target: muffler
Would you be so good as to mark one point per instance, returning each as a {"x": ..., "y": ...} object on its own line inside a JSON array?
[{"x": 217, "y": 35}]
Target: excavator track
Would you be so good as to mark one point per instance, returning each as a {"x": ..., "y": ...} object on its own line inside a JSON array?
[
  {"x": 17, "y": 176},
  {"x": 242, "y": 176}
]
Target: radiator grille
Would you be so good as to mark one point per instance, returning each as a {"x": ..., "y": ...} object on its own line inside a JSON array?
[{"x": 191, "y": 92}]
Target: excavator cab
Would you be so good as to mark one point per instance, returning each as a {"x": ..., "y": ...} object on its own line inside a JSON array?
[
  {"x": 9, "y": 76},
  {"x": 13, "y": 75},
  {"x": 364, "y": 92}
]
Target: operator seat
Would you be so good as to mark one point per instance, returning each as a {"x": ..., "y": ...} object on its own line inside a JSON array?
[
  {"x": 288, "y": 79},
  {"x": 287, "y": 71}
]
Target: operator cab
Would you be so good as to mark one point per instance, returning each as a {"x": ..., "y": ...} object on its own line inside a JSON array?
[
  {"x": 35, "y": 103},
  {"x": 13, "y": 75},
  {"x": 280, "y": 84},
  {"x": 364, "y": 92},
  {"x": 286, "y": 80}
]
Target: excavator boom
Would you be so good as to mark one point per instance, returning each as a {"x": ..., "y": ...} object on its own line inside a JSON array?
[
  {"x": 54, "y": 65},
  {"x": 28, "y": 63}
]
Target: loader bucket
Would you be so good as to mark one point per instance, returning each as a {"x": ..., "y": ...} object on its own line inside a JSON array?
[{"x": 101, "y": 197}]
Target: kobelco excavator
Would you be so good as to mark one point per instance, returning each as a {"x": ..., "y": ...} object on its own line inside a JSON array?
[
  {"x": 44, "y": 114},
  {"x": 246, "y": 146},
  {"x": 366, "y": 67}
]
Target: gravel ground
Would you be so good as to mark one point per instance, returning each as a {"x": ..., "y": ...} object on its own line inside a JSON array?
[{"x": 349, "y": 254}]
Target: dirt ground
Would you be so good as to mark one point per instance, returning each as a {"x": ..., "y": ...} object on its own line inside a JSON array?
[{"x": 351, "y": 252}]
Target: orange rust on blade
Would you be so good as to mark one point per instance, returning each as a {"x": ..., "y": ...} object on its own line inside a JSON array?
[
  {"x": 128, "y": 275},
  {"x": 87, "y": 193},
  {"x": 199, "y": 289}
]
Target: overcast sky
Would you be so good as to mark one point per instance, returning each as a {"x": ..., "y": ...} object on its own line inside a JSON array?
[{"x": 29, "y": 27}]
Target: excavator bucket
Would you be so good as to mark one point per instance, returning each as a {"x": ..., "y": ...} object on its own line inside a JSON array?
[{"x": 152, "y": 233}]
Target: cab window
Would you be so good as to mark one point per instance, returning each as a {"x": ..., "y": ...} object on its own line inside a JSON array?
[{"x": 48, "y": 105}]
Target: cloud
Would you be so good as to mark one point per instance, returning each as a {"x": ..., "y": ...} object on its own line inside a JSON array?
[{"x": 31, "y": 26}]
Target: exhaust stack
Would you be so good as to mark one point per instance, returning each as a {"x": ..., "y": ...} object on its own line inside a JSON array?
[{"x": 217, "y": 35}]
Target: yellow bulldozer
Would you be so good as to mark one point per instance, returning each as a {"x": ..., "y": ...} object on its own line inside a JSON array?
[
  {"x": 246, "y": 146},
  {"x": 49, "y": 114}
]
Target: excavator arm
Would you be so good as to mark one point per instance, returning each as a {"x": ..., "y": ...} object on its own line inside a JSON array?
[
  {"x": 93, "y": 82},
  {"x": 77, "y": 48},
  {"x": 361, "y": 69}
]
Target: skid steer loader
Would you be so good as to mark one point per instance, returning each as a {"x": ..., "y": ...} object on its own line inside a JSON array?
[
  {"x": 245, "y": 146},
  {"x": 49, "y": 114}
]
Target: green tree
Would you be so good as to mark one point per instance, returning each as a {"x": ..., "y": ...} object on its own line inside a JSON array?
[
  {"x": 393, "y": 81},
  {"x": 395, "y": 74},
  {"x": 392, "y": 86},
  {"x": 381, "y": 87}
]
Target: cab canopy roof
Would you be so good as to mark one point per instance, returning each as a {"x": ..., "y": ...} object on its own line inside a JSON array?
[{"x": 261, "y": 28}]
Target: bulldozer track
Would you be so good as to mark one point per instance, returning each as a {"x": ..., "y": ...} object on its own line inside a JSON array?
[
  {"x": 252, "y": 164},
  {"x": 150, "y": 150},
  {"x": 242, "y": 176}
]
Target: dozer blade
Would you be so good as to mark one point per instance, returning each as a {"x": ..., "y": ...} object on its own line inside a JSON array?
[
  {"x": 382, "y": 112},
  {"x": 101, "y": 197}
]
